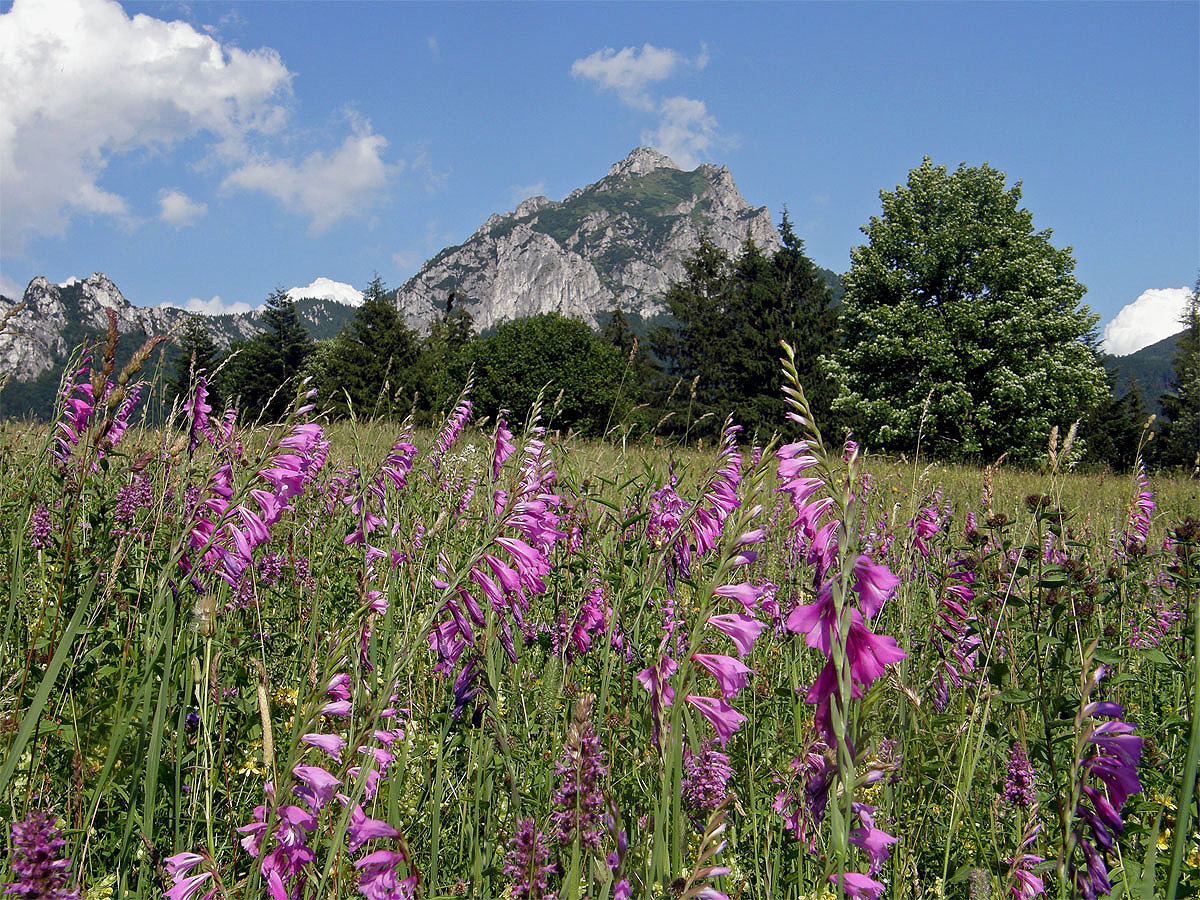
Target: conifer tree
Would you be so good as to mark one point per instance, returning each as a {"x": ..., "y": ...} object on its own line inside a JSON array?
[
  {"x": 371, "y": 362},
  {"x": 198, "y": 355},
  {"x": 265, "y": 370},
  {"x": 1179, "y": 438}
]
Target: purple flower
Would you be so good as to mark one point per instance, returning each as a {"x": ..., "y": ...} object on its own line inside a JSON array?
[
  {"x": 580, "y": 799},
  {"x": 526, "y": 864},
  {"x": 40, "y": 528},
  {"x": 504, "y": 445},
  {"x": 41, "y": 872},
  {"x": 1019, "y": 782},
  {"x": 1107, "y": 777},
  {"x": 705, "y": 777}
]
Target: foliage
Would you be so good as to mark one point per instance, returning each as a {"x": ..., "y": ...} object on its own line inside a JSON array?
[
  {"x": 369, "y": 367},
  {"x": 217, "y": 667},
  {"x": 263, "y": 372},
  {"x": 963, "y": 328},
  {"x": 445, "y": 356},
  {"x": 549, "y": 352},
  {"x": 198, "y": 356},
  {"x": 729, "y": 317},
  {"x": 1179, "y": 438}
]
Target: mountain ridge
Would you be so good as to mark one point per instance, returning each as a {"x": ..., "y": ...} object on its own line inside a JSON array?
[{"x": 616, "y": 243}]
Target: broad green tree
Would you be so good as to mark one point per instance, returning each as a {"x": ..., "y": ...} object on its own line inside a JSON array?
[
  {"x": 556, "y": 353},
  {"x": 1179, "y": 438},
  {"x": 963, "y": 326}
]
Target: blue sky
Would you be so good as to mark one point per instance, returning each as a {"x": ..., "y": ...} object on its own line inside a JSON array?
[{"x": 209, "y": 152}]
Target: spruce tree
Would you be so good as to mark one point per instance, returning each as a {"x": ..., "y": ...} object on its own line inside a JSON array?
[
  {"x": 1179, "y": 438},
  {"x": 371, "y": 363},
  {"x": 198, "y": 355},
  {"x": 265, "y": 370}
]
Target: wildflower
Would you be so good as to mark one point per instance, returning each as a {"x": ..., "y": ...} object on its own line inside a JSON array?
[
  {"x": 705, "y": 777},
  {"x": 580, "y": 799},
  {"x": 526, "y": 864},
  {"x": 40, "y": 872},
  {"x": 40, "y": 528},
  {"x": 504, "y": 445},
  {"x": 1022, "y": 883},
  {"x": 1107, "y": 777},
  {"x": 1018, "y": 783},
  {"x": 453, "y": 427}
]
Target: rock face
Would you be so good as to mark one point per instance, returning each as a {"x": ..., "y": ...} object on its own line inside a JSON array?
[
  {"x": 55, "y": 317},
  {"x": 52, "y": 320},
  {"x": 617, "y": 243}
]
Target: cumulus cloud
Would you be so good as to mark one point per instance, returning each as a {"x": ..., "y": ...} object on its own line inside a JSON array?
[
  {"x": 630, "y": 70},
  {"x": 178, "y": 209},
  {"x": 214, "y": 307},
  {"x": 327, "y": 187},
  {"x": 1154, "y": 315},
  {"x": 686, "y": 131},
  {"x": 85, "y": 82},
  {"x": 10, "y": 288}
]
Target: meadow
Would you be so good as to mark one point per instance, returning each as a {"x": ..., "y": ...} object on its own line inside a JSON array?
[{"x": 329, "y": 660}]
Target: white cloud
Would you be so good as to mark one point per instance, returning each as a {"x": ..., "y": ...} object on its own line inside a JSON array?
[
  {"x": 519, "y": 192},
  {"x": 178, "y": 209},
  {"x": 328, "y": 289},
  {"x": 10, "y": 288},
  {"x": 686, "y": 131},
  {"x": 629, "y": 71},
  {"x": 326, "y": 187},
  {"x": 84, "y": 83},
  {"x": 214, "y": 307},
  {"x": 435, "y": 49},
  {"x": 1154, "y": 315}
]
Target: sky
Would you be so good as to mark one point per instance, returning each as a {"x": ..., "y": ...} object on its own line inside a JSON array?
[{"x": 202, "y": 154}]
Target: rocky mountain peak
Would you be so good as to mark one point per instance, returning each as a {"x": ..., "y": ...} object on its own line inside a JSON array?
[
  {"x": 641, "y": 161},
  {"x": 616, "y": 243}
]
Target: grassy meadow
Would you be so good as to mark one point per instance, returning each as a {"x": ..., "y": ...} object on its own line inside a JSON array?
[{"x": 330, "y": 660}]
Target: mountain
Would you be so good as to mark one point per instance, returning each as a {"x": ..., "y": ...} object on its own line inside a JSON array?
[
  {"x": 619, "y": 242},
  {"x": 54, "y": 319},
  {"x": 1152, "y": 367}
]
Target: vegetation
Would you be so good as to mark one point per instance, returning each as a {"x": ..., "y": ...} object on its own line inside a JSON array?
[
  {"x": 340, "y": 659},
  {"x": 963, "y": 329}
]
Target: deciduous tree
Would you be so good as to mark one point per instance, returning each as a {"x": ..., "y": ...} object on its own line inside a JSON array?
[{"x": 962, "y": 323}]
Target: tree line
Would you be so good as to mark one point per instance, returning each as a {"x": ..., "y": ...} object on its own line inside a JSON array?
[{"x": 961, "y": 335}]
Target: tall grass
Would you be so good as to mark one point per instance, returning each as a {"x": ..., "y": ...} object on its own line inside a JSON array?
[{"x": 171, "y": 694}]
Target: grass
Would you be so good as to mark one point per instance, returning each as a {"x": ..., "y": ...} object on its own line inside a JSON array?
[{"x": 146, "y": 702}]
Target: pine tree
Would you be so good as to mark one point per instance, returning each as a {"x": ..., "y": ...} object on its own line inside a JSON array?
[
  {"x": 198, "y": 355},
  {"x": 371, "y": 362},
  {"x": 1179, "y": 438},
  {"x": 265, "y": 371}
]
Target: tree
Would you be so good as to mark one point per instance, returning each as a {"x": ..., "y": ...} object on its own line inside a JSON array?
[
  {"x": 444, "y": 359},
  {"x": 962, "y": 324},
  {"x": 265, "y": 370},
  {"x": 371, "y": 362},
  {"x": 556, "y": 353},
  {"x": 729, "y": 317},
  {"x": 1179, "y": 438},
  {"x": 198, "y": 355}
]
